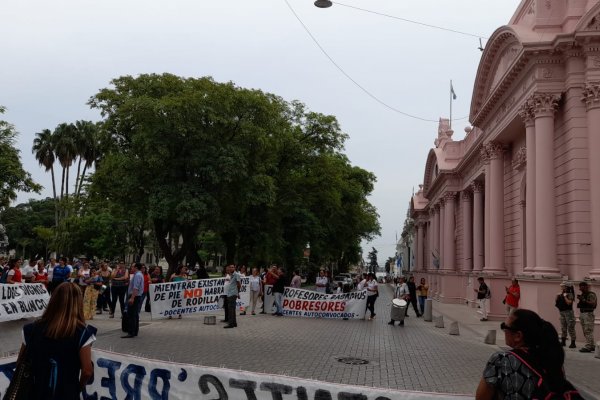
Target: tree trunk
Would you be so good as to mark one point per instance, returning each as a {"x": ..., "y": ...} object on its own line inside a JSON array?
[
  {"x": 55, "y": 200},
  {"x": 81, "y": 180},
  {"x": 77, "y": 177},
  {"x": 229, "y": 238}
]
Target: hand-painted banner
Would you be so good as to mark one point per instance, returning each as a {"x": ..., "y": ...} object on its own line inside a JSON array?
[
  {"x": 22, "y": 300},
  {"x": 307, "y": 303},
  {"x": 121, "y": 376},
  {"x": 189, "y": 297}
]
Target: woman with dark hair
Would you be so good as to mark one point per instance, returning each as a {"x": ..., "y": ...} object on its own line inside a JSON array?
[
  {"x": 59, "y": 346},
  {"x": 535, "y": 353}
]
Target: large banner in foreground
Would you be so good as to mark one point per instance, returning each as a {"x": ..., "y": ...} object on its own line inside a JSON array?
[
  {"x": 189, "y": 297},
  {"x": 120, "y": 376},
  {"x": 23, "y": 300}
]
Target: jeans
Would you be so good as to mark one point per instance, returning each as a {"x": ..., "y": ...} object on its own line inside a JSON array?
[
  {"x": 279, "y": 303},
  {"x": 422, "y": 303},
  {"x": 371, "y": 304}
]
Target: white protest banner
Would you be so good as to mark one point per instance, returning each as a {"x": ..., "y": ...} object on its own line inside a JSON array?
[
  {"x": 23, "y": 300},
  {"x": 121, "y": 376},
  {"x": 269, "y": 299},
  {"x": 189, "y": 297},
  {"x": 307, "y": 303}
]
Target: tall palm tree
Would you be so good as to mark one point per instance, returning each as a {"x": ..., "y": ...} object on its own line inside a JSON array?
[
  {"x": 43, "y": 149},
  {"x": 87, "y": 150},
  {"x": 65, "y": 149}
]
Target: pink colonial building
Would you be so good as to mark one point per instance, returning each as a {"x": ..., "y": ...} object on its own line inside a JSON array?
[{"x": 520, "y": 194}]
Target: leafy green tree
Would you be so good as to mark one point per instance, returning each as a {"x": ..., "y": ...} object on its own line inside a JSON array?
[
  {"x": 13, "y": 177},
  {"x": 24, "y": 223},
  {"x": 194, "y": 156}
]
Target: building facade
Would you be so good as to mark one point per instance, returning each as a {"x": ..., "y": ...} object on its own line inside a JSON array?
[{"x": 520, "y": 194}]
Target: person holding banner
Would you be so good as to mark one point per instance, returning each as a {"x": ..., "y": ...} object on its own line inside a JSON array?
[
  {"x": 14, "y": 271},
  {"x": 372, "y": 294},
  {"x": 232, "y": 293},
  {"x": 322, "y": 282},
  {"x": 278, "y": 289},
  {"x": 118, "y": 288},
  {"x": 58, "y": 345}
]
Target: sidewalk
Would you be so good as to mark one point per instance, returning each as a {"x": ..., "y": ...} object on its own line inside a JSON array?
[{"x": 582, "y": 369}]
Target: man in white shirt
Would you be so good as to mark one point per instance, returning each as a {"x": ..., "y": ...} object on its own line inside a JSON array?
[
  {"x": 402, "y": 293},
  {"x": 372, "y": 294}
]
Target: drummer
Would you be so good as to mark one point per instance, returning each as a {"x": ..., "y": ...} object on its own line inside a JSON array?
[{"x": 401, "y": 293}]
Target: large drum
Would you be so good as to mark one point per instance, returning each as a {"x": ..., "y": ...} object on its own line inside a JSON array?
[{"x": 398, "y": 310}]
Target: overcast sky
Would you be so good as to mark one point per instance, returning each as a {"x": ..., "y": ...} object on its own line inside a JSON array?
[{"x": 56, "y": 54}]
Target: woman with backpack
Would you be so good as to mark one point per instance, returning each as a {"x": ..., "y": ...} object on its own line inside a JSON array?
[
  {"x": 535, "y": 361},
  {"x": 58, "y": 348}
]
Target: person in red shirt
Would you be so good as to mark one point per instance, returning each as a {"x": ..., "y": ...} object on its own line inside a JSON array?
[
  {"x": 513, "y": 294},
  {"x": 40, "y": 275},
  {"x": 14, "y": 273},
  {"x": 145, "y": 295}
]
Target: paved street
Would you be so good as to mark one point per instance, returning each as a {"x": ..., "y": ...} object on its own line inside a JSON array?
[{"x": 417, "y": 356}]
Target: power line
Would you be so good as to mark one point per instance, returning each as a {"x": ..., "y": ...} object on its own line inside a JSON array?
[
  {"x": 410, "y": 21},
  {"x": 362, "y": 88}
]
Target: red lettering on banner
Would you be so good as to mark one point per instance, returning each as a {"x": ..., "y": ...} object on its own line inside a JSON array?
[{"x": 188, "y": 293}]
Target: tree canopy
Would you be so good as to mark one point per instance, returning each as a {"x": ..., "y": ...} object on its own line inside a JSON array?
[
  {"x": 267, "y": 176},
  {"x": 13, "y": 177}
]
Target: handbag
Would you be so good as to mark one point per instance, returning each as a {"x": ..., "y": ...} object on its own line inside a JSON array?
[{"x": 22, "y": 381}]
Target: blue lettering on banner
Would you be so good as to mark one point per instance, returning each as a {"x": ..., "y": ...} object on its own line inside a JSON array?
[
  {"x": 133, "y": 392},
  {"x": 121, "y": 379}
]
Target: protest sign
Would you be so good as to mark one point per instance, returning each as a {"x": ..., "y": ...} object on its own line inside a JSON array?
[
  {"x": 23, "y": 300},
  {"x": 189, "y": 297},
  {"x": 123, "y": 376},
  {"x": 307, "y": 303}
]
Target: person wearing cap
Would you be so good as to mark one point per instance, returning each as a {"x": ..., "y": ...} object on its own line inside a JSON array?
[
  {"x": 587, "y": 304},
  {"x": 564, "y": 303}
]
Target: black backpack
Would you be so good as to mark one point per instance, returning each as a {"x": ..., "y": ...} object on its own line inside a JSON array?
[{"x": 542, "y": 390}]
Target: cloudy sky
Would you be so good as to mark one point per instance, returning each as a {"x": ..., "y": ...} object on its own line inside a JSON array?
[{"x": 56, "y": 54}]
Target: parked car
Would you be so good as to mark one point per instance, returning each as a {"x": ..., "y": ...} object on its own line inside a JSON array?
[{"x": 346, "y": 282}]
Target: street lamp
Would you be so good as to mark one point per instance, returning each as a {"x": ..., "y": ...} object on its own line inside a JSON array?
[{"x": 323, "y": 3}]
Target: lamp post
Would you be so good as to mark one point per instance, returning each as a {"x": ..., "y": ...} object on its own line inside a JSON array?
[{"x": 323, "y": 3}]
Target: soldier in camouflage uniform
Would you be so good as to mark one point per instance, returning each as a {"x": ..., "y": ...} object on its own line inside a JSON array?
[
  {"x": 587, "y": 305},
  {"x": 564, "y": 303}
]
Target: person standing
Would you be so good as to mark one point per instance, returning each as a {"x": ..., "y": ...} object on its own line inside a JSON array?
[
  {"x": 93, "y": 284},
  {"x": 104, "y": 295},
  {"x": 513, "y": 294},
  {"x": 564, "y": 303},
  {"x": 255, "y": 286},
  {"x": 423, "y": 289},
  {"x": 61, "y": 341},
  {"x": 118, "y": 288},
  {"x": 322, "y": 282},
  {"x": 402, "y": 292},
  {"x": 412, "y": 296},
  {"x": 232, "y": 293},
  {"x": 587, "y": 304},
  {"x": 278, "y": 289},
  {"x": 483, "y": 294},
  {"x": 14, "y": 271},
  {"x": 134, "y": 294},
  {"x": 372, "y": 294},
  {"x": 296, "y": 280}
]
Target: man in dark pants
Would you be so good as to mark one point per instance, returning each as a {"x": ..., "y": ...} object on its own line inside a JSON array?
[
  {"x": 232, "y": 295},
  {"x": 412, "y": 290},
  {"x": 134, "y": 293}
]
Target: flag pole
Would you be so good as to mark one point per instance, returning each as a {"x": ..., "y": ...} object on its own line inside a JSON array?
[{"x": 451, "y": 103}]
